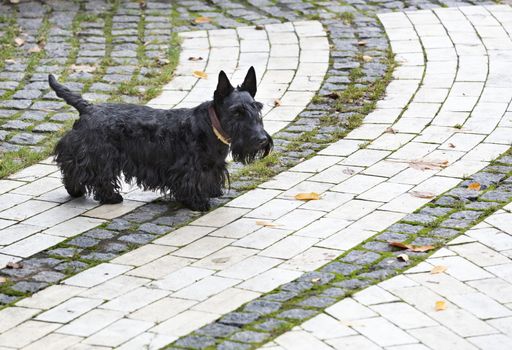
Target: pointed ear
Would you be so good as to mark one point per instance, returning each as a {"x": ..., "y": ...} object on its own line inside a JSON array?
[
  {"x": 224, "y": 87},
  {"x": 249, "y": 83}
]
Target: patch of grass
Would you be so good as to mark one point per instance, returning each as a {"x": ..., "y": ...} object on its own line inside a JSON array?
[
  {"x": 261, "y": 168},
  {"x": 347, "y": 17}
]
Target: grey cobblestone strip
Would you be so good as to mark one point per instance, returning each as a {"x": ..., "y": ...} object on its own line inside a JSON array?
[
  {"x": 373, "y": 261},
  {"x": 114, "y": 51}
]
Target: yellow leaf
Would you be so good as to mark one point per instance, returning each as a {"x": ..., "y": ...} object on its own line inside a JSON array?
[
  {"x": 14, "y": 1},
  {"x": 403, "y": 257},
  {"x": 475, "y": 186},
  {"x": 199, "y": 74},
  {"x": 311, "y": 196},
  {"x": 419, "y": 194},
  {"x": 202, "y": 19},
  {"x": 19, "y": 41},
  {"x": 367, "y": 58},
  {"x": 438, "y": 269},
  {"x": 265, "y": 223},
  {"x": 440, "y": 305},
  {"x": 277, "y": 102},
  {"x": 2, "y": 279}
]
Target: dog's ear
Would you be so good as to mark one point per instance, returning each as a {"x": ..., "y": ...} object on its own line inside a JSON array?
[
  {"x": 249, "y": 83},
  {"x": 224, "y": 87}
]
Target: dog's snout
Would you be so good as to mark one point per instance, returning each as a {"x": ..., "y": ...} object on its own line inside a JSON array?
[{"x": 262, "y": 140}]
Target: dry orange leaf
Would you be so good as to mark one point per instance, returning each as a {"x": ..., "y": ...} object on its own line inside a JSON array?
[
  {"x": 311, "y": 196},
  {"x": 199, "y": 74},
  {"x": 411, "y": 247},
  {"x": 277, "y": 102},
  {"x": 440, "y": 305},
  {"x": 19, "y": 41},
  {"x": 475, "y": 186},
  {"x": 202, "y": 19},
  {"x": 438, "y": 269},
  {"x": 265, "y": 223},
  {"x": 420, "y": 194}
]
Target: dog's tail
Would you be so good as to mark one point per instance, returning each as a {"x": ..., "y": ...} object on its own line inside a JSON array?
[{"x": 71, "y": 98}]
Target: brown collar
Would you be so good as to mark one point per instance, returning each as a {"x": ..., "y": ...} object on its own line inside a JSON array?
[{"x": 217, "y": 128}]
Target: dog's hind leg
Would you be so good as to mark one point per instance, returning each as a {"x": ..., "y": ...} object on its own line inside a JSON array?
[{"x": 106, "y": 192}]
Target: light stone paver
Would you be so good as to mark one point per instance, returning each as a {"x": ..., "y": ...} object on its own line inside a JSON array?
[{"x": 364, "y": 189}]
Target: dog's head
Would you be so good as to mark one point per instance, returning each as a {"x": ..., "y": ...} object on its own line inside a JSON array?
[{"x": 240, "y": 117}]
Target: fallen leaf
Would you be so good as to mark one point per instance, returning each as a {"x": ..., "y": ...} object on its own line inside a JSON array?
[
  {"x": 440, "y": 305},
  {"x": 14, "y": 1},
  {"x": 390, "y": 130},
  {"x": 475, "y": 186},
  {"x": 421, "y": 164},
  {"x": 403, "y": 257},
  {"x": 221, "y": 260},
  {"x": 334, "y": 95},
  {"x": 258, "y": 27},
  {"x": 420, "y": 194},
  {"x": 266, "y": 223},
  {"x": 14, "y": 265},
  {"x": 411, "y": 247},
  {"x": 199, "y": 74},
  {"x": 142, "y": 4},
  {"x": 438, "y": 269},
  {"x": 361, "y": 43},
  {"x": 202, "y": 19},
  {"x": 451, "y": 145},
  {"x": 162, "y": 61},
  {"x": 277, "y": 102},
  {"x": 3, "y": 279},
  {"x": 311, "y": 196},
  {"x": 19, "y": 41},
  {"x": 35, "y": 49},
  {"x": 194, "y": 58},
  {"x": 10, "y": 61},
  {"x": 349, "y": 171},
  {"x": 315, "y": 280},
  {"x": 367, "y": 58},
  {"x": 82, "y": 68}
]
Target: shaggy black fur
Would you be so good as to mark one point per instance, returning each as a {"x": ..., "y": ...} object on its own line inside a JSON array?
[{"x": 174, "y": 151}]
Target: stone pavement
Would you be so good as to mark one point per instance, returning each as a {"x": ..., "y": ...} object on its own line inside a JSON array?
[{"x": 444, "y": 117}]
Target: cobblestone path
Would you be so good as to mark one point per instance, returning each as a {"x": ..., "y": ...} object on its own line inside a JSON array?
[{"x": 424, "y": 169}]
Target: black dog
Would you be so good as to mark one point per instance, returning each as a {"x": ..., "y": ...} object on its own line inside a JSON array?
[{"x": 179, "y": 151}]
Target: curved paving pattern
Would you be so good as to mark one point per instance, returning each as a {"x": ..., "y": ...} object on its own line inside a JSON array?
[
  {"x": 400, "y": 313},
  {"x": 456, "y": 112},
  {"x": 291, "y": 59}
]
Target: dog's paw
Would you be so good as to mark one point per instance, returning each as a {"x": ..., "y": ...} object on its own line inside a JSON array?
[
  {"x": 197, "y": 206},
  {"x": 114, "y": 199}
]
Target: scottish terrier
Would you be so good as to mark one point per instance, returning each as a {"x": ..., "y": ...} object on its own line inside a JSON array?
[{"x": 180, "y": 151}]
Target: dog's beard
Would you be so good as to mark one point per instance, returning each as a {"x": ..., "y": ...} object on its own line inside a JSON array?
[{"x": 245, "y": 156}]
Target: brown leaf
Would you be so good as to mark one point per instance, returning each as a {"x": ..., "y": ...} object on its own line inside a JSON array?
[
  {"x": 142, "y": 4},
  {"x": 82, "y": 68},
  {"x": 202, "y": 19},
  {"x": 277, "y": 102},
  {"x": 19, "y": 41},
  {"x": 421, "y": 164},
  {"x": 403, "y": 257},
  {"x": 35, "y": 49},
  {"x": 420, "y": 194},
  {"x": 367, "y": 58},
  {"x": 258, "y": 27},
  {"x": 440, "y": 305},
  {"x": 334, "y": 95},
  {"x": 362, "y": 43},
  {"x": 311, "y": 196},
  {"x": 195, "y": 58},
  {"x": 266, "y": 223},
  {"x": 451, "y": 145},
  {"x": 438, "y": 269},
  {"x": 475, "y": 186},
  {"x": 200, "y": 74},
  {"x": 411, "y": 247},
  {"x": 390, "y": 130},
  {"x": 14, "y": 265}
]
